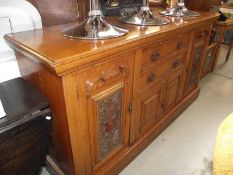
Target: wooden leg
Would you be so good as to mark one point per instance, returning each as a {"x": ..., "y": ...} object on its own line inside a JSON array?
[
  {"x": 216, "y": 57},
  {"x": 229, "y": 50}
]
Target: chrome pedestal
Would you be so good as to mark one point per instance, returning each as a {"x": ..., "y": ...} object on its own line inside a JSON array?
[
  {"x": 94, "y": 27},
  {"x": 145, "y": 18},
  {"x": 180, "y": 10}
]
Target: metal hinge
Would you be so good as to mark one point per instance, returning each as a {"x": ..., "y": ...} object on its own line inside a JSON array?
[{"x": 130, "y": 108}]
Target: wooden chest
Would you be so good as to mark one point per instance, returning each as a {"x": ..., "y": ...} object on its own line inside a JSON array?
[{"x": 24, "y": 131}]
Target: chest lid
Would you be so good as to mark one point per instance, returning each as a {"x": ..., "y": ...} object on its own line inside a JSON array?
[{"x": 21, "y": 102}]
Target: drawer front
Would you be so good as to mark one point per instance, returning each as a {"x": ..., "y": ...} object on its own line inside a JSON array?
[
  {"x": 154, "y": 75},
  {"x": 159, "y": 52},
  {"x": 202, "y": 32}
]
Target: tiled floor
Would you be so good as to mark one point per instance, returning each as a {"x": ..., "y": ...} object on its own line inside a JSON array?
[{"x": 186, "y": 146}]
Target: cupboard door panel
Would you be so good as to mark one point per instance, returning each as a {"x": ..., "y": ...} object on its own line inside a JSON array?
[
  {"x": 109, "y": 120},
  {"x": 108, "y": 91},
  {"x": 194, "y": 68},
  {"x": 149, "y": 110},
  {"x": 174, "y": 88},
  {"x": 209, "y": 59},
  {"x": 193, "y": 71},
  {"x": 150, "y": 105}
]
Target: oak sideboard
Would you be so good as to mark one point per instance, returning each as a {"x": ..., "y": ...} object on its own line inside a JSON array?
[{"x": 111, "y": 98}]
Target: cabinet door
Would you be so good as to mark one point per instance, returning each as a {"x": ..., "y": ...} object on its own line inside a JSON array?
[
  {"x": 108, "y": 89},
  {"x": 150, "y": 106},
  {"x": 209, "y": 59},
  {"x": 194, "y": 69},
  {"x": 173, "y": 90}
]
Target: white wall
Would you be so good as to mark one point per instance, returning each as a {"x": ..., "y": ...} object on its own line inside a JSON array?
[{"x": 15, "y": 16}]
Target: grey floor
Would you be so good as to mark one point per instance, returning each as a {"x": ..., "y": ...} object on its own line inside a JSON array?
[{"x": 186, "y": 146}]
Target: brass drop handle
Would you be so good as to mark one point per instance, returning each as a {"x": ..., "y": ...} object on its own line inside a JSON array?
[
  {"x": 175, "y": 64},
  {"x": 179, "y": 45},
  {"x": 151, "y": 77},
  {"x": 155, "y": 56}
]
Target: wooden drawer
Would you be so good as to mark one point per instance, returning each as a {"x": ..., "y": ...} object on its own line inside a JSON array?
[
  {"x": 158, "y": 52},
  {"x": 155, "y": 74},
  {"x": 202, "y": 32}
]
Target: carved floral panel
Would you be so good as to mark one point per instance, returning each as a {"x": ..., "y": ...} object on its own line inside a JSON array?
[
  {"x": 197, "y": 56},
  {"x": 109, "y": 111},
  {"x": 196, "y": 64}
]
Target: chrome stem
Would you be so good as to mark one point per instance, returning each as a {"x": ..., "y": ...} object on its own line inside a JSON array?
[
  {"x": 94, "y": 5},
  {"x": 94, "y": 8},
  {"x": 181, "y": 3},
  {"x": 145, "y": 3},
  {"x": 145, "y": 17}
]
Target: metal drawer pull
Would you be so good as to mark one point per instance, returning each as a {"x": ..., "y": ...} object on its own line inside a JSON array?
[
  {"x": 175, "y": 64},
  {"x": 151, "y": 77},
  {"x": 155, "y": 56}
]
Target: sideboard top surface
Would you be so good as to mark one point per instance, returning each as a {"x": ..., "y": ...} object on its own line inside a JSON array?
[{"x": 60, "y": 54}]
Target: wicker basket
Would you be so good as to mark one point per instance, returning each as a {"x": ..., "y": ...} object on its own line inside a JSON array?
[{"x": 223, "y": 154}]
